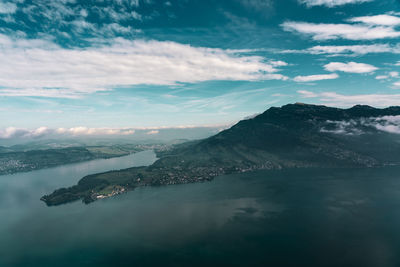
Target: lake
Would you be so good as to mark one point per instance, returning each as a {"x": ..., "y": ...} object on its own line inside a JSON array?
[{"x": 329, "y": 217}]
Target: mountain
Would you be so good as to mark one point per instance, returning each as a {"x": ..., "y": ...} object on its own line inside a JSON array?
[{"x": 293, "y": 136}]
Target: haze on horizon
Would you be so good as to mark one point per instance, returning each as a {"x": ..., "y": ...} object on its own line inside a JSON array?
[{"x": 120, "y": 67}]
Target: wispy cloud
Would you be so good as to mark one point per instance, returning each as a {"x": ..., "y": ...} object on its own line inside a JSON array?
[
  {"x": 385, "y": 20},
  {"x": 73, "y": 20},
  {"x": 12, "y": 132},
  {"x": 331, "y": 3},
  {"x": 46, "y": 132},
  {"x": 349, "y": 50},
  {"x": 223, "y": 102},
  {"x": 351, "y": 67},
  {"x": 152, "y": 132},
  {"x": 336, "y": 99},
  {"x": 318, "y": 77},
  {"x": 41, "y": 68},
  {"x": 388, "y": 76},
  {"x": 258, "y": 5},
  {"x": 94, "y": 131},
  {"x": 7, "y": 8},
  {"x": 349, "y": 127},
  {"x": 359, "y": 31},
  {"x": 389, "y": 124}
]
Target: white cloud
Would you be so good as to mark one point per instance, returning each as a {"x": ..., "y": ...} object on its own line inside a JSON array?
[
  {"x": 388, "y": 76},
  {"x": 45, "y": 132},
  {"x": 12, "y": 132},
  {"x": 278, "y": 63},
  {"x": 331, "y": 3},
  {"x": 41, "y": 131},
  {"x": 390, "y": 124},
  {"x": 349, "y": 127},
  {"x": 41, "y": 68},
  {"x": 351, "y": 67},
  {"x": 354, "y": 49},
  {"x": 152, "y": 132},
  {"x": 95, "y": 131},
  {"x": 381, "y": 77},
  {"x": 339, "y": 100},
  {"x": 7, "y": 8},
  {"x": 341, "y": 31},
  {"x": 319, "y": 77},
  {"x": 384, "y": 20},
  {"x": 396, "y": 85},
  {"x": 346, "y": 50}
]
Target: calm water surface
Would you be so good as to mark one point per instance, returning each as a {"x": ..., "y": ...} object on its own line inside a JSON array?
[{"x": 278, "y": 218}]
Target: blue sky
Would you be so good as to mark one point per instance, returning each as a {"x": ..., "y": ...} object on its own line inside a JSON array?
[{"x": 114, "y": 65}]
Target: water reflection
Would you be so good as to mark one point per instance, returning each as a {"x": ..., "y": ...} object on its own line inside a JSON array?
[{"x": 281, "y": 218}]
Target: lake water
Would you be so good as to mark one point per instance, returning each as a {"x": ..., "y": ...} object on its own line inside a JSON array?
[{"x": 277, "y": 218}]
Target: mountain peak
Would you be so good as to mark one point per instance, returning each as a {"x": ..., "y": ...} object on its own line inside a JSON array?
[{"x": 365, "y": 107}]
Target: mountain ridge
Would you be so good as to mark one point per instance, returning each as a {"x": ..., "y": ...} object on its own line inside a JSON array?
[{"x": 292, "y": 136}]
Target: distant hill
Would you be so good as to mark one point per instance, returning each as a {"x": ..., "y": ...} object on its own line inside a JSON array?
[
  {"x": 21, "y": 158},
  {"x": 293, "y": 136}
]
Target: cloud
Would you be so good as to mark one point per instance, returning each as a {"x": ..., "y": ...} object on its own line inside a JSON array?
[
  {"x": 351, "y": 67},
  {"x": 349, "y": 127},
  {"x": 7, "y": 8},
  {"x": 319, "y": 77},
  {"x": 76, "y": 22},
  {"x": 340, "y": 100},
  {"x": 12, "y": 132},
  {"x": 388, "y": 76},
  {"x": 384, "y": 20},
  {"x": 346, "y": 50},
  {"x": 278, "y": 63},
  {"x": 94, "y": 131},
  {"x": 350, "y": 49},
  {"x": 324, "y": 31},
  {"x": 257, "y": 5},
  {"x": 390, "y": 124},
  {"x": 39, "y": 132},
  {"x": 42, "y": 68},
  {"x": 152, "y": 132},
  {"x": 330, "y": 3},
  {"x": 82, "y": 131}
]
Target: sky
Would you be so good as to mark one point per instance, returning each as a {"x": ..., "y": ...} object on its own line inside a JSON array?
[{"x": 108, "y": 67}]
